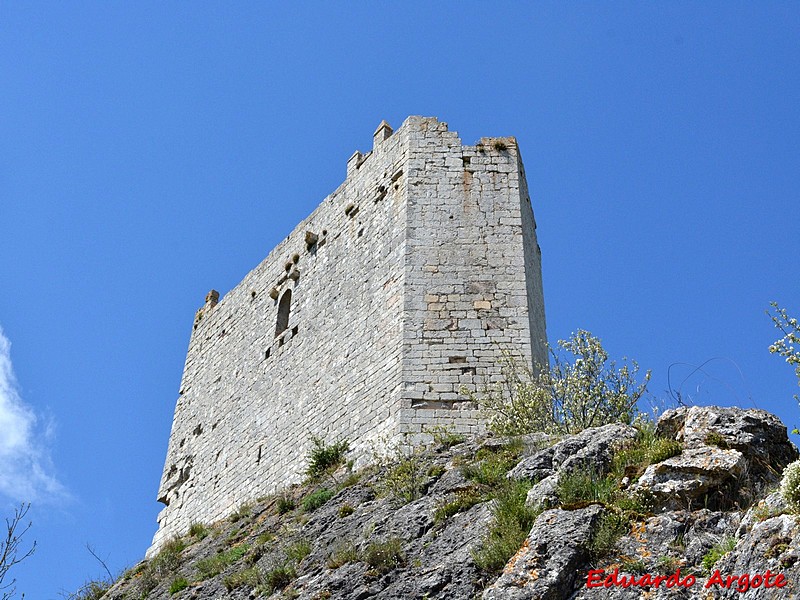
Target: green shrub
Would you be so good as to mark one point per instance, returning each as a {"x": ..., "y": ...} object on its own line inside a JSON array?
[
  {"x": 316, "y": 499},
  {"x": 178, "y": 584},
  {"x": 298, "y": 550},
  {"x": 342, "y": 555},
  {"x": 242, "y": 512},
  {"x": 279, "y": 577},
  {"x": 285, "y": 504},
  {"x": 585, "y": 486},
  {"x": 667, "y": 565},
  {"x": 512, "y": 521},
  {"x": 405, "y": 481},
  {"x": 492, "y": 465},
  {"x": 198, "y": 531},
  {"x": 323, "y": 458},
  {"x": 586, "y": 390},
  {"x": 213, "y": 566},
  {"x": 91, "y": 590},
  {"x": 610, "y": 527},
  {"x": 717, "y": 552},
  {"x": 265, "y": 538},
  {"x": 645, "y": 450},
  {"x": 249, "y": 577},
  {"x": 790, "y": 486},
  {"x": 463, "y": 501},
  {"x": 350, "y": 480},
  {"x": 168, "y": 559},
  {"x": 662, "y": 449},
  {"x": 345, "y": 510},
  {"x": 385, "y": 556},
  {"x": 444, "y": 437},
  {"x": 636, "y": 566},
  {"x": 435, "y": 471}
]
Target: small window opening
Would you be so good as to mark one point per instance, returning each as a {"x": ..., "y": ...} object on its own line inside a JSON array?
[
  {"x": 267, "y": 353},
  {"x": 294, "y": 330},
  {"x": 283, "y": 313}
]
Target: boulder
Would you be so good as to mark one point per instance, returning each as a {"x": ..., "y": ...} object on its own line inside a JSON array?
[
  {"x": 690, "y": 478},
  {"x": 758, "y": 434},
  {"x": 549, "y": 562}
]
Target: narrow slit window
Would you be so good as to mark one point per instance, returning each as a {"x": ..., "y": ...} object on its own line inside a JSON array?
[{"x": 283, "y": 313}]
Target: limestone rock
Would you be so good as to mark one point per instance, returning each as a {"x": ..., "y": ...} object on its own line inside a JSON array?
[
  {"x": 759, "y": 434},
  {"x": 690, "y": 477},
  {"x": 592, "y": 448},
  {"x": 547, "y": 565}
]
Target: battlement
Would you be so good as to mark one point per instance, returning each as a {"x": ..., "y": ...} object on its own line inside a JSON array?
[{"x": 366, "y": 323}]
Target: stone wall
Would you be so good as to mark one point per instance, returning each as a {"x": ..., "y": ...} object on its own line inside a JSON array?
[{"x": 406, "y": 284}]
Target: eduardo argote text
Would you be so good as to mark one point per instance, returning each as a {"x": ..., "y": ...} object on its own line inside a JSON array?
[{"x": 598, "y": 578}]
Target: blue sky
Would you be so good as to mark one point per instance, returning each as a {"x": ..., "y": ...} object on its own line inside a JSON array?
[{"x": 153, "y": 151}]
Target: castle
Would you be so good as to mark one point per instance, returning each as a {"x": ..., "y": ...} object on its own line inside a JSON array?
[{"x": 366, "y": 323}]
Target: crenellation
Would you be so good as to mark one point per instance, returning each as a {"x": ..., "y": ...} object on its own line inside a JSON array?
[{"x": 365, "y": 323}]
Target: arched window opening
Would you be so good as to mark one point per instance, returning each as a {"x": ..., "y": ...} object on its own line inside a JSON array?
[{"x": 284, "y": 307}]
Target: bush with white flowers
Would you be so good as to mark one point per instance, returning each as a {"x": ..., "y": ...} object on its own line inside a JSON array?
[
  {"x": 582, "y": 388},
  {"x": 790, "y": 486}
]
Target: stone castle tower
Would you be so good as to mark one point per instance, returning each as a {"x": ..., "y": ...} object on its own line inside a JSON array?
[{"x": 365, "y": 323}]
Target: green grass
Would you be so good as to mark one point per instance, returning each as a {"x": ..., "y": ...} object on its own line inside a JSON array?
[
  {"x": 586, "y": 486},
  {"x": 198, "y": 531},
  {"x": 178, "y": 584},
  {"x": 324, "y": 458},
  {"x": 244, "y": 511},
  {"x": 316, "y": 499},
  {"x": 342, "y": 555},
  {"x": 168, "y": 559},
  {"x": 213, "y": 566},
  {"x": 510, "y": 526},
  {"x": 610, "y": 528},
  {"x": 279, "y": 577},
  {"x": 645, "y": 450},
  {"x": 345, "y": 510},
  {"x": 91, "y": 590},
  {"x": 285, "y": 504},
  {"x": 444, "y": 437},
  {"x": 667, "y": 565},
  {"x": 717, "y": 552},
  {"x": 298, "y": 550},
  {"x": 493, "y": 464},
  {"x": 405, "y": 481},
  {"x": 463, "y": 501},
  {"x": 249, "y": 577},
  {"x": 636, "y": 566},
  {"x": 385, "y": 556}
]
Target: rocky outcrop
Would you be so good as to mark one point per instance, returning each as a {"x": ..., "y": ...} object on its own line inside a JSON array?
[
  {"x": 416, "y": 529},
  {"x": 731, "y": 456},
  {"x": 551, "y": 558},
  {"x": 591, "y": 449}
]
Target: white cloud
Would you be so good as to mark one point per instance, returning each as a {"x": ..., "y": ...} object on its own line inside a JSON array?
[{"x": 25, "y": 466}]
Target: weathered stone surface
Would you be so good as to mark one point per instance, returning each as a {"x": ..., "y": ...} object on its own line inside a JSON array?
[
  {"x": 732, "y": 455},
  {"x": 547, "y": 565},
  {"x": 689, "y": 478},
  {"x": 759, "y": 434},
  {"x": 554, "y": 562},
  {"x": 772, "y": 544},
  {"x": 591, "y": 449}
]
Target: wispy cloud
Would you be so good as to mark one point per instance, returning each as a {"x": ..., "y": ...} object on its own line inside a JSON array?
[{"x": 26, "y": 471}]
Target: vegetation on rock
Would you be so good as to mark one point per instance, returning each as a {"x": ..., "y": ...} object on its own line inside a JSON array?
[{"x": 582, "y": 389}]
